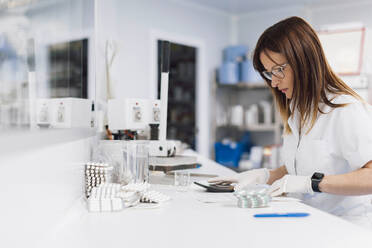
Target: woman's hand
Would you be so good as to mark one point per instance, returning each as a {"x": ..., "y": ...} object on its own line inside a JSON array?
[
  {"x": 291, "y": 184},
  {"x": 257, "y": 176}
]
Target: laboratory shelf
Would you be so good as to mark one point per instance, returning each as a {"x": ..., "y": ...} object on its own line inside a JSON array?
[
  {"x": 243, "y": 85},
  {"x": 261, "y": 128},
  {"x": 244, "y": 94},
  {"x": 253, "y": 128}
]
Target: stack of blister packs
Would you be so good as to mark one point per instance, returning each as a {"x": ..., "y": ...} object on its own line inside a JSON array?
[
  {"x": 252, "y": 196},
  {"x": 110, "y": 197},
  {"x": 104, "y": 198},
  {"x": 95, "y": 175}
]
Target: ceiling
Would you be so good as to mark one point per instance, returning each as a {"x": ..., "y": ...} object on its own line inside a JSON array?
[{"x": 244, "y": 6}]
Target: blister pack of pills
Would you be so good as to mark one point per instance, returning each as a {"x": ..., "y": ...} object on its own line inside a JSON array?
[
  {"x": 153, "y": 196},
  {"x": 111, "y": 197},
  {"x": 104, "y": 198},
  {"x": 136, "y": 187},
  {"x": 255, "y": 196}
]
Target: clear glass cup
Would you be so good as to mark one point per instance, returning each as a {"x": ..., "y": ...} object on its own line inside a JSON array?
[
  {"x": 135, "y": 162},
  {"x": 182, "y": 180}
]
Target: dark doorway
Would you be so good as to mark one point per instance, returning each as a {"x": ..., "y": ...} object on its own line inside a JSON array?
[
  {"x": 68, "y": 69},
  {"x": 181, "y": 93}
]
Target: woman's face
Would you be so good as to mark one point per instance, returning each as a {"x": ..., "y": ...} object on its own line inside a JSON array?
[{"x": 273, "y": 63}]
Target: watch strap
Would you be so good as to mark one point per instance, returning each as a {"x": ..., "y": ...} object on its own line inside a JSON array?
[{"x": 315, "y": 180}]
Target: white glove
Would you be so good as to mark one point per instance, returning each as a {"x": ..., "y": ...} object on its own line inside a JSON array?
[
  {"x": 291, "y": 184},
  {"x": 257, "y": 176}
]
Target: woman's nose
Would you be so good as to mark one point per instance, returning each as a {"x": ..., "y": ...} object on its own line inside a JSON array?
[{"x": 274, "y": 82}]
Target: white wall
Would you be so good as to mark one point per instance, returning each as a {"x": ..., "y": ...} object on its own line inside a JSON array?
[
  {"x": 352, "y": 12},
  {"x": 132, "y": 25},
  {"x": 341, "y": 13},
  {"x": 251, "y": 25}
]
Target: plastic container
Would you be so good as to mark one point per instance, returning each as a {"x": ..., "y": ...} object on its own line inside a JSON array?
[
  {"x": 229, "y": 154},
  {"x": 237, "y": 115},
  {"x": 251, "y": 115},
  {"x": 266, "y": 109}
]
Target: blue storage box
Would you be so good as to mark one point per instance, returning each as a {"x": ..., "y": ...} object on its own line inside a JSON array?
[
  {"x": 229, "y": 154},
  {"x": 228, "y": 73},
  {"x": 248, "y": 73},
  {"x": 232, "y": 53}
]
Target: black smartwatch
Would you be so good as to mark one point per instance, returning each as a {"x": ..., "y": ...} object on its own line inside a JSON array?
[{"x": 315, "y": 180}]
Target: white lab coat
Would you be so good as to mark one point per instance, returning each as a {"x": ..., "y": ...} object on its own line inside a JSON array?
[{"x": 339, "y": 142}]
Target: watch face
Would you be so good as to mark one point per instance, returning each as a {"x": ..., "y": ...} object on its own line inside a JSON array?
[{"x": 318, "y": 175}]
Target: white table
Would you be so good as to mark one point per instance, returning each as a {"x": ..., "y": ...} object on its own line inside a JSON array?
[{"x": 187, "y": 221}]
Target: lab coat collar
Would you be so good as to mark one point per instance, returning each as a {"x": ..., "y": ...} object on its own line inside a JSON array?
[
  {"x": 293, "y": 120},
  {"x": 293, "y": 123}
]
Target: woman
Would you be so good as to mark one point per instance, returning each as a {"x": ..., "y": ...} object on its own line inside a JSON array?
[{"x": 327, "y": 144}]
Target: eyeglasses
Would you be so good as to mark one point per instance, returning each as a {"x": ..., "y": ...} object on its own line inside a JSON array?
[{"x": 277, "y": 71}]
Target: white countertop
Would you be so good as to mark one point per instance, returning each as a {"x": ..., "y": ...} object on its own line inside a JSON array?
[{"x": 188, "y": 221}]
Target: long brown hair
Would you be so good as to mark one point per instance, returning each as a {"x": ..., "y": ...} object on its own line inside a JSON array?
[{"x": 313, "y": 78}]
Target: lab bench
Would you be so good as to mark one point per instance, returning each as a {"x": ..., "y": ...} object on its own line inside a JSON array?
[{"x": 195, "y": 218}]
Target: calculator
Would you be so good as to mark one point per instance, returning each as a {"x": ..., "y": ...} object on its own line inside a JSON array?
[{"x": 217, "y": 187}]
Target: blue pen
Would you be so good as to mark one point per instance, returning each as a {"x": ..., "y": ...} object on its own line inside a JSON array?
[{"x": 270, "y": 215}]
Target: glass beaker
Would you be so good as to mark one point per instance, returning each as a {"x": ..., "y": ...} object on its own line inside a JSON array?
[
  {"x": 182, "y": 180},
  {"x": 135, "y": 162}
]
